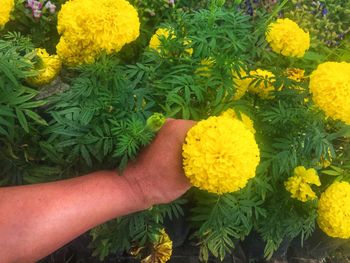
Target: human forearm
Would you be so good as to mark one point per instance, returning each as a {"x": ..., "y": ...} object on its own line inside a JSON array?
[{"x": 35, "y": 220}]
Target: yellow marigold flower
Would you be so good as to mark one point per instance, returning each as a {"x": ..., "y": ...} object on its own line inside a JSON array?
[
  {"x": 5, "y": 11},
  {"x": 89, "y": 27},
  {"x": 265, "y": 79},
  {"x": 334, "y": 210},
  {"x": 244, "y": 118},
  {"x": 330, "y": 88},
  {"x": 48, "y": 68},
  {"x": 161, "y": 250},
  {"x": 188, "y": 42},
  {"x": 155, "y": 41},
  {"x": 325, "y": 163},
  {"x": 287, "y": 38},
  {"x": 299, "y": 184},
  {"x": 295, "y": 74},
  {"x": 241, "y": 83},
  {"x": 205, "y": 67},
  {"x": 220, "y": 155}
]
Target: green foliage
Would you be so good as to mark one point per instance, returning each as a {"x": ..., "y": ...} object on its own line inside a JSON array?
[
  {"x": 221, "y": 220},
  {"x": 133, "y": 230},
  {"x": 102, "y": 115},
  {"x": 19, "y": 119},
  {"x": 99, "y": 120}
]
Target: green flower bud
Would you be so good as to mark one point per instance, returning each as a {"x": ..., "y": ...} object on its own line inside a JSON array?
[{"x": 155, "y": 122}]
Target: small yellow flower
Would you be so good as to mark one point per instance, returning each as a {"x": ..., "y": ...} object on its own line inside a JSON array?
[
  {"x": 155, "y": 42},
  {"x": 295, "y": 74},
  {"x": 220, "y": 154},
  {"x": 161, "y": 250},
  {"x": 205, "y": 67},
  {"x": 265, "y": 86},
  {"x": 188, "y": 42},
  {"x": 287, "y": 38},
  {"x": 299, "y": 184},
  {"x": 241, "y": 84},
  {"x": 48, "y": 68},
  {"x": 5, "y": 11},
  {"x": 334, "y": 210},
  {"x": 330, "y": 88}
]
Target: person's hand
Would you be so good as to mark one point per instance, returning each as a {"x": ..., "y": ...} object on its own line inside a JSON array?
[{"x": 157, "y": 174}]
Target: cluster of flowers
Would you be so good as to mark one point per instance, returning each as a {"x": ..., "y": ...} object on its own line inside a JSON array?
[
  {"x": 38, "y": 7},
  {"x": 88, "y": 28},
  {"x": 5, "y": 11},
  {"x": 212, "y": 161},
  {"x": 329, "y": 83},
  {"x": 333, "y": 205}
]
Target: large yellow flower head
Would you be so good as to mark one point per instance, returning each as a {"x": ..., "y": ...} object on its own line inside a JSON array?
[
  {"x": 330, "y": 88},
  {"x": 6, "y": 7},
  {"x": 334, "y": 210},
  {"x": 89, "y": 27},
  {"x": 261, "y": 83},
  {"x": 220, "y": 155},
  {"x": 287, "y": 38},
  {"x": 299, "y": 184},
  {"x": 48, "y": 67}
]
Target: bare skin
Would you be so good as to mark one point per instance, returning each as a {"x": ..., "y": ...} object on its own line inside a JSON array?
[{"x": 36, "y": 220}]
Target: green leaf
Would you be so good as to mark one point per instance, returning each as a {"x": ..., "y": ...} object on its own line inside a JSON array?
[
  {"x": 22, "y": 119},
  {"x": 34, "y": 116}
]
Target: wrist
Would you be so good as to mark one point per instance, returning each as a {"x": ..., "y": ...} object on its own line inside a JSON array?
[
  {"x": 136, "y": 194},
  {"x": 137, "y": 185},
  {"x": 125, "y": 195}
]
